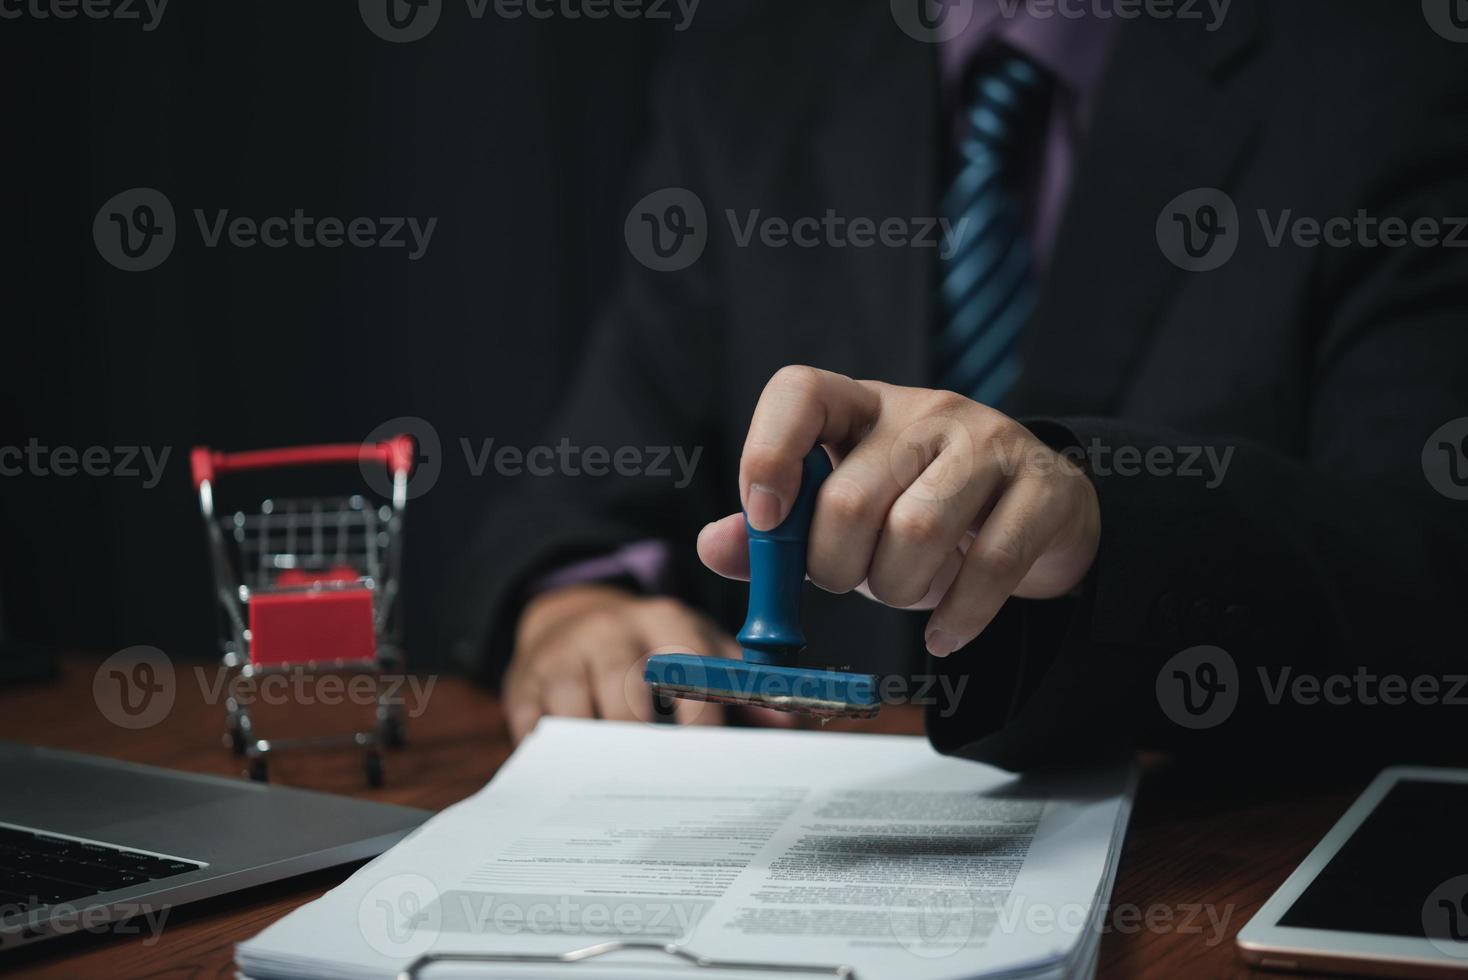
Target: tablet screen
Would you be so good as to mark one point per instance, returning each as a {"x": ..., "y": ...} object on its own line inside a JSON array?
[{"x": 1415, "y": 839}]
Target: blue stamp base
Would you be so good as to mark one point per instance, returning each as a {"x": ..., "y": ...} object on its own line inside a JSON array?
[{"x": 827, "y": 693}]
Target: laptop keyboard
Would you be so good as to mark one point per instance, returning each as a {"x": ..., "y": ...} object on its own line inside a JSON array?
[{"x": 37, "y": 870}]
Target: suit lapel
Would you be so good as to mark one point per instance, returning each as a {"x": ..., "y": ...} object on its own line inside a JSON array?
[
  {"x": 1163, "y": 125},
  {"x": 874, "y": 153}
]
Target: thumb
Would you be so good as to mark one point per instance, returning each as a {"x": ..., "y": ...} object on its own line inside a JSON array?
[{"x": 724, "y": 547}]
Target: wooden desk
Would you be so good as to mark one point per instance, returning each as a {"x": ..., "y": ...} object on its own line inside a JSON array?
[{"x": 1194, "y": 841}]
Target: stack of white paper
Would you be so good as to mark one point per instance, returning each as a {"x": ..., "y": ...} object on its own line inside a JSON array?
[{"x": 772, "y": 853}]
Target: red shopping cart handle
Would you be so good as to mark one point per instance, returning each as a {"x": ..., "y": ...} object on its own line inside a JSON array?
[{"x": 395, "y": 453}]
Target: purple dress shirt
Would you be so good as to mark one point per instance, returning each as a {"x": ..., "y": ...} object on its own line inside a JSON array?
[{"x": 1073, "y": 50}]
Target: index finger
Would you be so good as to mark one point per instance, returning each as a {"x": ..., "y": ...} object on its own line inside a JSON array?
[{"x": 800, "y": 407}]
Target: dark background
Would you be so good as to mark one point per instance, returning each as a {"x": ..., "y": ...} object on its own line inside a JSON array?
[{"x": 516, "y": 135}]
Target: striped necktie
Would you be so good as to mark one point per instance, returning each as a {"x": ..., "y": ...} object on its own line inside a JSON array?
[{"x": 988, "y": 290}]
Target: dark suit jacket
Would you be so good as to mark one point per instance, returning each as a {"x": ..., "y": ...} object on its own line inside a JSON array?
[{"x": 1324, "y": 548}]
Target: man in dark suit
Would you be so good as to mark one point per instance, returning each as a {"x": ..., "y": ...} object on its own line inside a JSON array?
[{"x": 1167, "y": 318}]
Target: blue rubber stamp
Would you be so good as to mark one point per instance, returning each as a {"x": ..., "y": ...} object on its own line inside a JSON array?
[{"x": 769, "y": 675}]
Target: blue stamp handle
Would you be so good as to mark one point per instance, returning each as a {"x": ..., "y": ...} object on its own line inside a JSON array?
[{"x": 771, "y": 633}]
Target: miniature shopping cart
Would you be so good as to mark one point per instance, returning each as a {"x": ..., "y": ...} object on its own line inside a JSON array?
[{"x": 310, "y": 586}]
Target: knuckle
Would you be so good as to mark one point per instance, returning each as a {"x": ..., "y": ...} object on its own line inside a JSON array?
[
  {"x": 542, "y": 673},
  {"x": 1005, "y": 557},
  {"x": 1040, "y": 464},
  {"x": 796, "y": 379},
  {"x": 600, "y": 618},
  {"x": 946, "y": 404},
  {"x": 593, "y": 630},
  {"x": 915, "y": 521},
  {"x": 1062, "y": 493},
  {"x": 1043, "y": 494},
  {"x": 515, "y": 682},
  {"x": 894, "y": 588},
  {"x": 990, "y": 426},
  {"x": 844, "y": 501},
  {"x": 664, "y": 608}
]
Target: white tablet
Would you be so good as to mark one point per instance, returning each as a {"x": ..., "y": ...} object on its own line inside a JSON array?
[{"x": 1385, "y": 893}]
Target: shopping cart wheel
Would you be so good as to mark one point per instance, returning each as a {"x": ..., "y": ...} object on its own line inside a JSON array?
[
  {"x": 392, "y": 732},
  {"x": 236, "y": 737},
  {"x": 258, "y": 770},
  {"x": 374, "y": 769}
]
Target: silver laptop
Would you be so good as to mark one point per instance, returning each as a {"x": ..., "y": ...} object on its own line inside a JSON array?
[{"x": 87, "y": 842}]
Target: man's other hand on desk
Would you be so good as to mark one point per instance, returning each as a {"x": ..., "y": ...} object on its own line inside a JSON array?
[
  {"x": 579, "y": 652},
  {"x": 937, "y": 502}
]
